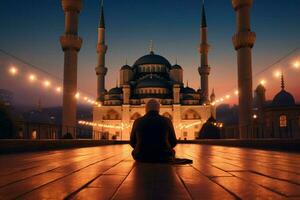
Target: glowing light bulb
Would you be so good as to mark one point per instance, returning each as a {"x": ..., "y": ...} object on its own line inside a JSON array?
[
  {"x": 263, "y": 82},
  {"x": 58, "y": 89},
  {"x": 47, "y": 83},
  {"x": 297, "y": 65},
  {"x": 13, "y": 71},
  {"x": 236, "y": 92},
  {"x": 254, "y": 116},
  {"x": 77, "y": 95},
  {"x": 32, "y": 77},
  {"x": 277, "y": 74},
  {"x": 227, "y": 96}
]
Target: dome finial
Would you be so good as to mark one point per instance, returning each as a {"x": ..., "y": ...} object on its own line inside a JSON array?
[
  {"x": 126, "y": 61},
  {"x": 282, "y": 81},
  {"x": 151, "y": 47},
  {"x": 187, "y": 83},
  {"x": 176, "y": 61}
]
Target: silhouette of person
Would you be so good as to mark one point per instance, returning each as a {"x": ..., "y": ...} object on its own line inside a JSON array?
[{"x": 153, "y": 137}]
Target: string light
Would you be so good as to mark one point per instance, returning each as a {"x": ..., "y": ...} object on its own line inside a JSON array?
[
  {"x": 77, "y": 95},
  {"x": 297, "y": 65},
  {"x": 47, "y": 83},
  {"x": 13, "y": 71},
  {"x": 277, "y": 74},
  {"x": 263, "y": 82},
  {"x": 58, "y": 89},
  {"x": 93, "y": 124},
  {"x": 32, "y": 77}
]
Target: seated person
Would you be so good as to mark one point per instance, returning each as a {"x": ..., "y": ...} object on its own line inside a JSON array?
[{"x": 153, "y": 137}]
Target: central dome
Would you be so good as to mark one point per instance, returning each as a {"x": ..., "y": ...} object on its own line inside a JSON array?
[{"x": 152, "y": 59}]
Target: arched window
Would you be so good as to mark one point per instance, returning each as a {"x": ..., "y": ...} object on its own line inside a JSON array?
[
  {"x": 191, "y": 115},
  {"x": 283, "y": 121},
  {"x": 135, "y": 116},
  {"x": 112, "y": 115}
]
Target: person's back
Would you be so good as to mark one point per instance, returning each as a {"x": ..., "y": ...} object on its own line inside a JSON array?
[{"x": 153, "y": 136}]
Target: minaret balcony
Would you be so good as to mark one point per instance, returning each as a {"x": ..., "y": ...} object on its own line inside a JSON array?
[
  {"x": 204, "y": 70},
  {"x": 69, "y": 42},
  {"x": 237, "y": 4},
  {"x": 101, "y": 70},
  {"x": 72, "y": 5},
  {"x": 244, "y": 39}
]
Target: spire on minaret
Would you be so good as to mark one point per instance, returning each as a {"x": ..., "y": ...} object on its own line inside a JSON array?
[
  {"x": 101, "y": 69},
  {"x": 102, "y": 20},
  {"x": 282, "y": 82},
  {"x": 151, "y": 47},
  {"x": 203, "y": 24}
]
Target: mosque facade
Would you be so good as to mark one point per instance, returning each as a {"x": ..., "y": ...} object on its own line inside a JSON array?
[{"x": 152, "y": 76}]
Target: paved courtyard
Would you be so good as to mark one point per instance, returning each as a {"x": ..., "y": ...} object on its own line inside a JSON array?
[{"x": 108, "y": 172}]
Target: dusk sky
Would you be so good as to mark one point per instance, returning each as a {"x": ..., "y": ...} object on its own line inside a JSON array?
[{"x": 30, "y": 29}]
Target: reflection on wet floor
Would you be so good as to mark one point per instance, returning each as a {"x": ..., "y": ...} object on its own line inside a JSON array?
[{"x": 108, "y": 172}]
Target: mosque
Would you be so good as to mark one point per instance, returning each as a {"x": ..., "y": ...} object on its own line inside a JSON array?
[{"x": 151, "y": 77}]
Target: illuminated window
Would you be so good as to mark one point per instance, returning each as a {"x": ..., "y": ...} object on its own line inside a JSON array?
[
  {"x": 283, "y": 121},
  {"x": 34, "y": 134}
]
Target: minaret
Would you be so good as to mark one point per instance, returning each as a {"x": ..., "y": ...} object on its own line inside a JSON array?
[
  {"x": 101, "y": 70},
  {"x": 243, "y": 42},
  {"x": 204, "y": 69},
  {"x": 71, "y": 44}
]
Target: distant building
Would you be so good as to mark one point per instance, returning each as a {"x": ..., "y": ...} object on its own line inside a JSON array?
[
  {"x": 6, "y": 97},
  {"x": 279, "y": 118}
]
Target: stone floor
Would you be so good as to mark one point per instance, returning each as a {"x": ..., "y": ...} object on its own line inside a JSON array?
[{"x": 109, "y": 172}]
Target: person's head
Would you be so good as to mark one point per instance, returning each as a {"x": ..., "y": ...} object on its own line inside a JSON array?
[{"x": 152, "y": 105}]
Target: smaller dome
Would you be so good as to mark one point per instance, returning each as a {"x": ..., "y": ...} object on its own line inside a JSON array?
[
  {"x": 188, "y": 97},
  {"x": 187, "y": 90},
  {"x": 283, "y": 98},
  {"x": 126, "y": 67},
  {"x": 178, "y": 67},
  {"x": 152, "y": 82},
  {"x": 116, "y": 90}
]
